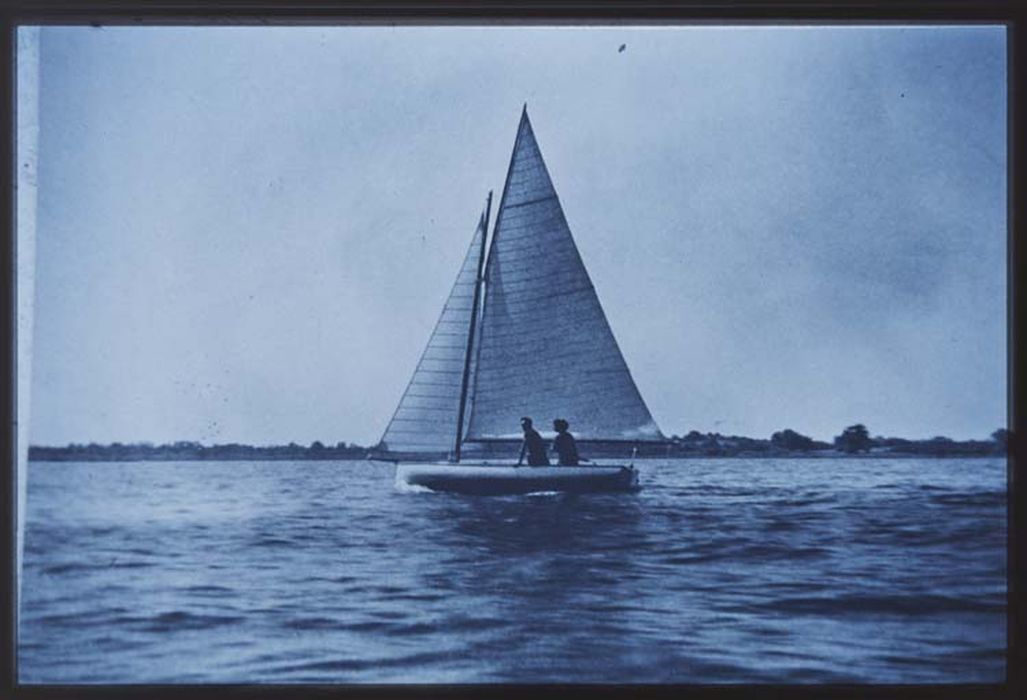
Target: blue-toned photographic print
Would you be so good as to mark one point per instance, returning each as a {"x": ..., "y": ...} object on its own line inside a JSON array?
[{"x": 479, "y": 354}]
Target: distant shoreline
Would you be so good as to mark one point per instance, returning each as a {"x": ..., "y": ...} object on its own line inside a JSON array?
[
  {"x": 797, "y": 455},
  {"x": 785, "y": 444}
]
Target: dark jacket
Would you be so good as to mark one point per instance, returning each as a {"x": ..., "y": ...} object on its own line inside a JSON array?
[
  {"x": 535, "y": 447},
  {"x": 567, "y": 449}
]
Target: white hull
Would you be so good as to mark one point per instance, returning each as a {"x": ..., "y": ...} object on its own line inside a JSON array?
[{"x": 486, "y": 479}]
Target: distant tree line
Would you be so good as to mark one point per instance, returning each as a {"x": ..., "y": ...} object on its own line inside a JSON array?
[
  {"x": 184, "y": 450},
  {"x": 853, "y": 440}
]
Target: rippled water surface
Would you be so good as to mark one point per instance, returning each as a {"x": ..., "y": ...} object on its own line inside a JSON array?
[{"x": 719, "y": 570}]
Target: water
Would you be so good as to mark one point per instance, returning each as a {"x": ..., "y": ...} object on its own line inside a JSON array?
[{"x": 719, "y": 570}]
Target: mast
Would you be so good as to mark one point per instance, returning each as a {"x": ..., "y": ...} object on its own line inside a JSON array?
[{"x": 470, "y": 332}]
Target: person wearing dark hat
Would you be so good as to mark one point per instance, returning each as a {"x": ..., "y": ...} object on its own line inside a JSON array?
[
  {"x": 533, "y": 445},
  {"x": 564, "y": 444}
]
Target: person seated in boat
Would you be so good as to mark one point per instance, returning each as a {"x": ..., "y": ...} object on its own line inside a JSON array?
[
  {"x": 564, "y": 444},
  {"x": 533, "y": 445}
]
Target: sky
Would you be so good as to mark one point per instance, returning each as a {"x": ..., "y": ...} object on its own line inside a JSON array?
[{"x": 246, "y": 234}]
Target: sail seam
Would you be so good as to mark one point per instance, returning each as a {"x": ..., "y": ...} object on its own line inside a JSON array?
[{"x": 530, "y": 202}]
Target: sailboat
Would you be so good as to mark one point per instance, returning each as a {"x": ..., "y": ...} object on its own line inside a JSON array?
[{"x": 521, "y": 334}]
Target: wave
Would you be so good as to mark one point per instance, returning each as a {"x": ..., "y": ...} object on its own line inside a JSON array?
[
  {"x": 58, "y": 569},
  {"x": 130, "y": 565},
  {"x": 861, "y": 605},
  {"x": 352, "y": 664},
  {"x": 983, "y": 499},
  {"x": 314, "y": 623},
  {"x": 73, "y": 567},
  {"x": 177, "y": 620},
  {"x": 85, "y": 617},
  {"x": 404, "y": 487},
  {"x": 273, "y": 542},
  {"x": 214, "y": 591}
]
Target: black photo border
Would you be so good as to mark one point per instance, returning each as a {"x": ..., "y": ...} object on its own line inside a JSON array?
[{"x": 14, "y": 13}]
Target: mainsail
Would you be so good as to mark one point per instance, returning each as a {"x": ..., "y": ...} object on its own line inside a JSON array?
[
  {"x": 425, "y": 422},
  {"x": 547, "y": 350},
  {"x": 542, "y": 348}
]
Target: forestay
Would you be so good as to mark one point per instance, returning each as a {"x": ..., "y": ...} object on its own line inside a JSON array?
[{"x": 546, "y": 349}]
